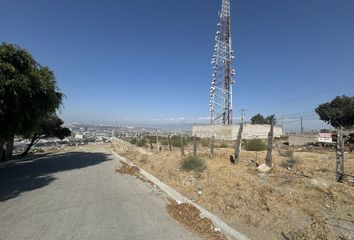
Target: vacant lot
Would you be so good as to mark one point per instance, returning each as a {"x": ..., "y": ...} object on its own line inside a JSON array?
[{"x": 302, "y": 202}]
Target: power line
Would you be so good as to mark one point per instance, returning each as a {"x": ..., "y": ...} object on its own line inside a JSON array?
[
  {"x": 299, "y": 113},
  {"x": 300, "y": 97},
  {"x": 299, "y": 116}
]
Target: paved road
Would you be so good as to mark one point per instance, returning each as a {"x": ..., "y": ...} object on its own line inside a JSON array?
[{"x": 78, "y": 195}]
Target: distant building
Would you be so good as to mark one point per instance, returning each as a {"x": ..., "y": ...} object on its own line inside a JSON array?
[{"x": 78, "y": 136}]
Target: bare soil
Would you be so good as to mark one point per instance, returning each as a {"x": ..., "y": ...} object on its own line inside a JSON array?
[{"x": 303, "y": 202}]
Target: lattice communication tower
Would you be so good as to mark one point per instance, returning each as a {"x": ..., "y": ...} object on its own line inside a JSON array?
[{"x": 221, "y": 86}]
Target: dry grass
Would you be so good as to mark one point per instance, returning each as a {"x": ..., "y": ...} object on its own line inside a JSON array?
[
  {"x": 189, "y": 216},
  {"x": 126, "y": 169},
  {"x": 302, "y": 203}
]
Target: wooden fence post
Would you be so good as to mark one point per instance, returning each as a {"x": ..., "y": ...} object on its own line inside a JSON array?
[
  {"x": 182, "y": 147},
  {"x": 269, "y": 161},
  {"x": 212, "y": 146},
  {"x": 169, "y": 142},
  {"x": 143, "y": 140},
  {"x": 340, "y": 157},
  {"x": 194, "y": 146},
  {"x": 238, "y": 144},
  {"x": 157, "y": 141},
  {"x": 151, "y": 147}
]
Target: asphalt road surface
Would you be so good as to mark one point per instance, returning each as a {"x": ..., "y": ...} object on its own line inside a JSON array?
[{"x": 77, "y": 194}]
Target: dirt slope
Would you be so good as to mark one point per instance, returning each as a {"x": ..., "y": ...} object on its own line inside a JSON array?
[{"x": 302, "y": 203}]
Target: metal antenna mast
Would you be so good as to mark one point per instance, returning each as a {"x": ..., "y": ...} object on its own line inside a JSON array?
[{"x": 221, "y": 85}]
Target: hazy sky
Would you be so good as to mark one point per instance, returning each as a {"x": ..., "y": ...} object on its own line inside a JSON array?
[{"x": 150, "y": 60}]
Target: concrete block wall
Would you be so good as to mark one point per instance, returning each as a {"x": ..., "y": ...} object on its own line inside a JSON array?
[
  {"x": 302, "y": 139},
  {"x": 230, "y": 132}
]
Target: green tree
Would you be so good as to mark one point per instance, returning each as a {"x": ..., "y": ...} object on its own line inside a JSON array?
[
  {"x": 50, "y": 127},
  {"x": 339, "y": 112},
  {"x": 270, "y": 118},
  {"x": 28, "y": 94},
  {"x": 258, "y": 119}
]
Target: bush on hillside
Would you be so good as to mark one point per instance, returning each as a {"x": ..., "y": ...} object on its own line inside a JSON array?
[
  {"x": 289, "y": 163},
  {"x": 141, "y": 143},
  {"x": 222, "y": 145},
  {"x": 255, "y": 145},
  {"x": 193, "y": 163}
]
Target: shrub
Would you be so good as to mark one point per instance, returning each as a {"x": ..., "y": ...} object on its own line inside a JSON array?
[
  {"x": 289, "y": 163},
  {"x": 152, "y": 139},
  {"x": 222, "y": 145},
  {"x": 40, "y": 150},
  {"x": 163, "y": 142},
  {"x": 193, "y": 163},
  {"x": 205, "y": 142},
  {"x": 287, "y": 153},
  {"x": 141, "y": 143},
  {"x": 162, "y": 139},
  {"x": 189, "y": 140},
  {"x": 255, "y": 145},
  {"x": 176, "y": 141}
]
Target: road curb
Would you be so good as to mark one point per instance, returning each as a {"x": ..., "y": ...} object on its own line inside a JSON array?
[{"x": 230, "y": 232}]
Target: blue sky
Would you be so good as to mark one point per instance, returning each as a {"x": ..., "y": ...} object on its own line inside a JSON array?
[{"x": 149, "y": 61}]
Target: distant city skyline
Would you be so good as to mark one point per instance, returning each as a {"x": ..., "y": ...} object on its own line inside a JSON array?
[{"x": 148, "y": 62}]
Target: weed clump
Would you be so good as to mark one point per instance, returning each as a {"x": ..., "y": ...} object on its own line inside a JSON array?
[
  {"x": 222, "y": 145},
  {"x": 205, "y": 142},
  {"x": 291, "y": 161},
  {"x": 126, "y": 169},
  {"x": 255, "y": 145},
  {"x": 286, "y": 153},
  {"x": 141, "y": 143},
  {"x": 193, "y": 163}
]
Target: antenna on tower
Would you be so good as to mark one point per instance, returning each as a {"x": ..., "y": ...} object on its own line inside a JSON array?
[{"x": 220, "y": 104}]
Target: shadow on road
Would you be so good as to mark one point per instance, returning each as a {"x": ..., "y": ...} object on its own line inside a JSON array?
[{"x": 32, "y": 174}]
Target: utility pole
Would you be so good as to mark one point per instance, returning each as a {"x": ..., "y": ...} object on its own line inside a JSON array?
[{"x": 302, "y": 125}]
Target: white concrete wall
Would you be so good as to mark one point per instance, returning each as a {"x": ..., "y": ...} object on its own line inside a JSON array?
[
  {"x": 302, "y": 139},
  {"x": 230, "y": 132},
  {"x": 219, "y": 132}
]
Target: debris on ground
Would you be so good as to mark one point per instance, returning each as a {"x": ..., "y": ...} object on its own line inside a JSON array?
[
  {"x": 126, "y": 169},
  {"x": 263, "y": 168},
  {"x": 319, "y": 184},
  {"x": 189, "y": 216}
]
